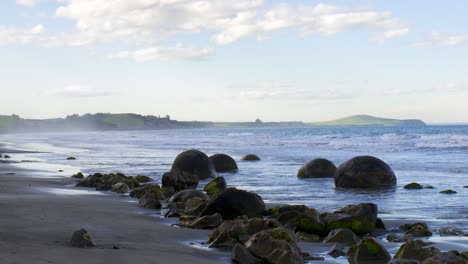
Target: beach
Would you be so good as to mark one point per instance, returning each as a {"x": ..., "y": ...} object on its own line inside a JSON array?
[{"x": 39, "y": 215}]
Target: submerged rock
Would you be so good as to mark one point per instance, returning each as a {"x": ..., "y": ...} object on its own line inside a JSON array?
[
  {"x": 450, "y": 231},
  {"x": 82, "y": 239},
  {"x": 317, "y": 168},
  {"x": 413, "y": 186},
  {"x": 215, "y": 187},
  {"x": 232, "y": 203},
  {"x": 251, "y": 157},
  {"x": 194, "y": 162},
  {"x": 359, "y": 218},
  {"x": 336, "y": 251},
  {"x": 369, "y": 250},
  {"x": 399, "y": 238},
  {"x": 71, "y": 158},
  {"x": 223, "y": 163},
  {"x": 364, "y": 172},
  {"x": 448, "y": 191}
]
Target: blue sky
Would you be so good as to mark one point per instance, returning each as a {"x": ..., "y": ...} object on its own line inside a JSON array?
[{"x": 235, "y": 61}]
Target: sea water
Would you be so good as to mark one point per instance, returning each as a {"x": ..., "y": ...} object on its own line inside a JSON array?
[{"x": 431, "y": 155}]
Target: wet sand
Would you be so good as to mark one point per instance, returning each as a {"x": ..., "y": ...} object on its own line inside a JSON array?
[{"x": 37, "y": 219}]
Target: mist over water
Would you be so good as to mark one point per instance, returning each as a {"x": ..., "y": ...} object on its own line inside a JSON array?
[{"x": 432, "y": 155}]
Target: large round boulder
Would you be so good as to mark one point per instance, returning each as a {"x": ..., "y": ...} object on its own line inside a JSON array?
[
  {"x": 364, "y": 172},
  {"x": 232, "y": 203},
  {"x": 317, "y": 168},
  {"x": 223, "y": 163},
  {"x": 194, "y": 162}
]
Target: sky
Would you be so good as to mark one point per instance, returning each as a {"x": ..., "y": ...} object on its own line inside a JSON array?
[{"x": 219, "y": 60}]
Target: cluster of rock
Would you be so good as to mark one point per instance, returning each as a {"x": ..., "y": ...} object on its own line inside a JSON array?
[{"x": 239, "y": 219}]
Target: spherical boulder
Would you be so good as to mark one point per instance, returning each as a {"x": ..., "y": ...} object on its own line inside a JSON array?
[
  {"x": 364, "y": 172},
  {"x": 224, "y": 163},
  {"x": 194, "y": 162},
  {"x": 251, "y": 157},
  {"x": 232, "y": 203},
  {"x": 317, "y": 168}
]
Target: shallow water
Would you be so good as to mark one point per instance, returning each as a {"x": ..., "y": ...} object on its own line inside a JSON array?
[{"x": 432, "y": 155}]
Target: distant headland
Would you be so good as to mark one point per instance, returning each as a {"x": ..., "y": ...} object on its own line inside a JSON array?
[
  {"x": 106, "y": 121},
  {"x": 367, "y": 120}
]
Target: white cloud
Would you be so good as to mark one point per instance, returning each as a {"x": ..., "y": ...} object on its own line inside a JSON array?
[
  {"x": 38, "y": 29},
  {"x": 166, "y": 53},
  {"x": 10, "y": 35},
  {"x": 77, "y": 91},
  {"x": 438, "y": 39},
  {"x": 27, "y": 2},
  {"x": 145, "y": 24},
  {"x": 267, "y": 90}
]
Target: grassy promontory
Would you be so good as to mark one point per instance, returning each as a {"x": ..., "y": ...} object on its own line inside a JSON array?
[{"x": 367, "y": 120}]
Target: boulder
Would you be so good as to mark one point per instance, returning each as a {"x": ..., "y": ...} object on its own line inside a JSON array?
[
  {"x": 241, "y": 255},
  {"x": 369, "y": 250},
  {"x": 150, "y": 200},
  {"x": 317, "y": 168},
  {"x": 223, "y": 163},
  {"x": 140, "y": 191},
  {"x": 143, "y": 179},
  {"x": 176, "y": 181},
  {"x": 232, "y": 203},
  {"x": 183, "y": 196},
  {"x": 120, "y": 187},
  {"x": 277, "y": 210},
  {"x": 195, "y": 206},
  {"x": 275, "y": 245},
  {"x": 398, "y": 238},
  {"x": 342, "y": 236},
  {"x": 251, "y": 157},
  {"x": 417, "y": 229},
  {"x": 450, "y": 231},
  {"x": 215, "y": 187},
  {"x": 79, "y": 175},
  {"x": 364, "y": 172},
  {"x": 207, "y": 222},
  {"x": 445, "y": 258},
  {"x": 194, "y": 162},
  {"x": 416, "y": 250},
  {"x": 228, "y": 233},
  {"x": 413, "y": 186},
  {"x": 404, "y": 261},
  {"x": 311, "y": 238},
  {"x": 101, "y": 181},
  {"x": 131, "y": 182},
  {"x": 82, "y": 239},
  {"x": 257, "y": 224},
  {"x": 359, "y": 218},
  {"x": 406, "y": 227}
]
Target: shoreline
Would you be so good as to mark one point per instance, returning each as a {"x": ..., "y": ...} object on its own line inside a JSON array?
[
  {"x": 36, "y": 226},
  {"x": 43, "y": 208}
]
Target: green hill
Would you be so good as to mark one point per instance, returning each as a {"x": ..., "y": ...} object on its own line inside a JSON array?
[{"x": 367, "y": 120}]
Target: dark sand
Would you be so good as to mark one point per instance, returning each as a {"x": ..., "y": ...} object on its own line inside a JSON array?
[{"x": 36, "y": 226}]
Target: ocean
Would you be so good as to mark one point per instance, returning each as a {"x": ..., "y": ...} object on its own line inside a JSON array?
[{"x": 431, "y": 155}]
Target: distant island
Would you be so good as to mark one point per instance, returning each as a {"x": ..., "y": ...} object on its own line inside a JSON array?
[
  {"x": 367, "y": 120},
  {"x": 106, "y": 121}
]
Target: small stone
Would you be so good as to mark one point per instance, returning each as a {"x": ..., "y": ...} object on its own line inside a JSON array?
[
  {"x": 79, "y": 175},
  {"x": 311, "y": 238},
  {"x": 71, "y": 158},
  {"x": 82, "y": 239},
  {"x": 428, "y": 187},
  {"x": 115, "y": 247},
  {"x": 251, "y": 157},
  {"x": 398, "y": 239},
  {"x": 6, "y": 157},
  {"x": 336, "y": 251},
  {"x": 413, "y": 186},
  {"x": 450, "y": 231}
]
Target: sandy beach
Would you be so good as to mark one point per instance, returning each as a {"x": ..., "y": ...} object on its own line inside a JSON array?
[{"x": 39, "y": 215}]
